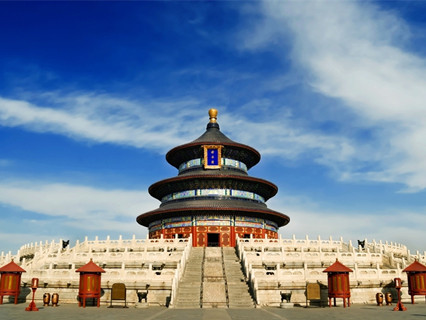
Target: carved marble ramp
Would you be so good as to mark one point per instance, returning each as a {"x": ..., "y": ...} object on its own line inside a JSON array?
[
  {"x": 213, "y": 279},
  {"x": 214, "y": 287}
]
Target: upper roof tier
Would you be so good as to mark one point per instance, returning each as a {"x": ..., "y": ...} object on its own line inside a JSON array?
[{"x": 213, "y": 136}]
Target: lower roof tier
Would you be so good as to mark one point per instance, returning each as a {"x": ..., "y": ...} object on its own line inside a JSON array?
[{"x": 203, "y": 207}]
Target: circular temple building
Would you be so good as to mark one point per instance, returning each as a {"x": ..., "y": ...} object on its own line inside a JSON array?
[{"x": 213, "y": 197}]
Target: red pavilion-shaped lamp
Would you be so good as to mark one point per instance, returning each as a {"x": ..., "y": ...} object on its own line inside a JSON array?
[
  {"x": 10, "y": 282},
  {"x": 416, "y": 274},
  {"x": 338, "y": 283},
  {"x": 90, "y": 283}
]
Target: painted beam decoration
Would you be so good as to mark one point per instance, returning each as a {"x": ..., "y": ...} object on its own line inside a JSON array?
[{"x": 212, "y": 156}]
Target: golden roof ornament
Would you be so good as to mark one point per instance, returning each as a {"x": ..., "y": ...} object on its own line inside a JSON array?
[{"x": 213, "y": 115}]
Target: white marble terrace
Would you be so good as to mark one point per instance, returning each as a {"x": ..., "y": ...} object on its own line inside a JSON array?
[
  {"x": 284, "y": 265},
  {"x": 270, "y": 265},
  {"x": 141, "y": 264}
]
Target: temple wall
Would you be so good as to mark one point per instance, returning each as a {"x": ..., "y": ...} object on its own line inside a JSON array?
[{"x": 228, "y": 228}]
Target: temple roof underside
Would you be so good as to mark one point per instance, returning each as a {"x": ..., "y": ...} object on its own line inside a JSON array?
[{"x": 202, "y": 207}]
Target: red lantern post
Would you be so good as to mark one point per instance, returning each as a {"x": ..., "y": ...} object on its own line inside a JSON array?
[
  {"x": 338, "y": 283},
  {"x": 90, "y": 283},
  {"x": 34, "y": 286},
  {"x": 416, "y": 274},
  {"x": 10, "y": 281},
  {"x": 399, "y": 305}
]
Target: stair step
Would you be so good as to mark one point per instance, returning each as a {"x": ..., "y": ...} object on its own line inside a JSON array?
[{"x": 232, "y": 279}]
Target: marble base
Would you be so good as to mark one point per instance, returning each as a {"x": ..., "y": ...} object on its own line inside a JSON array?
[
  {"x": 286, "y": 305},
  {"x": 141, "y": 305}
]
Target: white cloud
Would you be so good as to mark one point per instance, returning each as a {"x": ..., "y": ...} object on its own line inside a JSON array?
[
  {"x": 51, "y": 211},
  {"x": 282, "y": 138},
  {"x": 80, "y": 206},
  {"x": 352, "y": 51},
  {"x": 312, "y": 219},
  {"x": 105, "y": 119},
  {"x": 161, "y": 125},
  {"x": 349, "y": 51}
]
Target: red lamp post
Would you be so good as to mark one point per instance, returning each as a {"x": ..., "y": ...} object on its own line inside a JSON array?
[
  {"x": 10, "y": 281},
  {"x": 399, "y": 305},
  {"x": 416, "y": 274},
  {"x": 338, "y": 283},
  {"x": 90, "y": 283},
  {"x": 34, "y": 285}
]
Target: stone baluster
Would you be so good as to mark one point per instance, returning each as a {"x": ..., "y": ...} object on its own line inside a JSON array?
[
  {"x": 305, "y": 271},
  {"x": 399, "y": 271},
  {"x": 59, "y": 247},
  {"x": 77, "y": 246},
  {"x": 356, "y": 272}
]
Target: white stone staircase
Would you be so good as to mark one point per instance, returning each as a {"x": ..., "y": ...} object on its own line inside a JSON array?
[
  {"x": 213, "y": 279},
  {"x": 238, "y": 291},
  {"x": 189, "y": 291}
]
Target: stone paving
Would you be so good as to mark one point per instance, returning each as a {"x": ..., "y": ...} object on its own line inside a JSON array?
[{"x": 10, "y": 311}]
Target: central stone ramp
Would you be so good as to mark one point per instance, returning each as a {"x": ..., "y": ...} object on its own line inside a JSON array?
[{"x": 214, "y": 286}]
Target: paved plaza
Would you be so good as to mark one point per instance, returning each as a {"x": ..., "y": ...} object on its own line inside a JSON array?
[{"x": 71, "y": 311}]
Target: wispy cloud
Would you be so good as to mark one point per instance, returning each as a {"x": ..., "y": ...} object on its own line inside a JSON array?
[
  {"x": 161, "y": 125},
  {"x": 49, "y": 210},
  {"x": 104, "y": 119},
  {"x": 350, "y": 52},
  {"x": 83, "y": 206},
  {"x": 313, "y": 219},
  {"x": 353, "y": 52},
  {"x": 283, "y": 138}
]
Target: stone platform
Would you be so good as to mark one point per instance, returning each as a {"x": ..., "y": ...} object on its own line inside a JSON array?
[{"x": 72, "y": 311}]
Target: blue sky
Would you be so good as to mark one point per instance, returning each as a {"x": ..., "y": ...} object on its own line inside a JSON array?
[{"x": 93, "y": 94}]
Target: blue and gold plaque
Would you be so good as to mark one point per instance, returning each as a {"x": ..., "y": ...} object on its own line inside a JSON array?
[{"x": 212, "y": 157}]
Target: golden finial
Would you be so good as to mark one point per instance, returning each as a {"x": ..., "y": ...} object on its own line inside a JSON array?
[{"x": 213, "y": 115}]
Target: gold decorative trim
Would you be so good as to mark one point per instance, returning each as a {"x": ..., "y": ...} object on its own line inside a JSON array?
[{"x": 216, "y": 161}]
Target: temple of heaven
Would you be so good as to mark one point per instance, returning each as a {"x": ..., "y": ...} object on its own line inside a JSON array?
[{"x": 213, "y": 197}]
